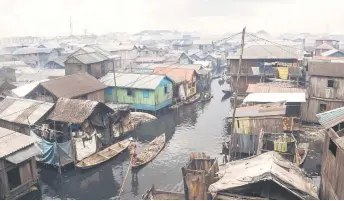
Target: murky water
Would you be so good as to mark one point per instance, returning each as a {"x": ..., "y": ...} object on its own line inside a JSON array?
[{"x": 195, "y": 128}]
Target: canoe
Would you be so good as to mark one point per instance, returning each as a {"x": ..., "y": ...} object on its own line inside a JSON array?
[
  {"x": 207, "y": 99},
  {"x": 150, "y": 152},
  {"x": 227, "y": 91},
  {"x": 156, "y": 194},
  {"x": 104, "y": 155},
  {"x": 301, "y": 152},
  {"x": 193, "y": 99}
]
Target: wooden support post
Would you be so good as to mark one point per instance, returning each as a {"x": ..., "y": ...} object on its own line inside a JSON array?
[{"x": 236, "y": 89}]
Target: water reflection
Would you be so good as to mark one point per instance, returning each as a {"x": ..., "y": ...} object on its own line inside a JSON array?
[{"x": 198, "y": 127}]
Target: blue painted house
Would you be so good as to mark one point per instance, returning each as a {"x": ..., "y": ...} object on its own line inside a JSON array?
[{"x": 142, "y": 91}]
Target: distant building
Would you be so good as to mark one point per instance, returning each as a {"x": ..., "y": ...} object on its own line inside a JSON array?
[
  {"x": 323, "y": 48},
  {"x": 34, "y": 56},
  {"x": 76, "y": 86},
  {"x": 91, "y": 59},
  {"x": 149, "y": 60},
  {"x": 142, "y": 91},
  {"x": 127, "y": 52},
  {"x": 263, "y": 61},
  {"x": 331, "y": 187},
  {"x": 56, "y": 63},
  {"x": 326, "y": 88},
  {"x": 324, "y": 40},
  {"x": 333, "y": 53},
  {"x": 18, "y": 172}
]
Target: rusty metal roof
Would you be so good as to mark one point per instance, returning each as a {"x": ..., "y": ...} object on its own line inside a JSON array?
[
  {"x": 11, "y": 141},
  {"x": 74, "y": 110},
  {"x": 331, "y": 118},
  {"x": 260, "y": 110},
  {"x": 23, "y": 111},
  {"x": 178, "y": 74},
  {"x": 72, "y": 86},
  {"x": 268, "y": 88}
]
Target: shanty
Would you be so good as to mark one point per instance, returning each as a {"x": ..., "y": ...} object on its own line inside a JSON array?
[
  {"x": 268, "y": 176},
  {"x": 18, "y": 172},
  {"x": 145, "y": 92}
]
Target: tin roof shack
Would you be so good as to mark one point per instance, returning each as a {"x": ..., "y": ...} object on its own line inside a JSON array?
[
  {"x": 184, "y": 78},
  {"x": 35, "y": 56},
  {"x": 250, "y": 120},
  {"x": 127, "y": 52},
  {"x": 332, "y": 165},
  {"x": 268, "y": 176},
  {"x": 149, "y": 60},
  {"x": 142, "y": 91},
  {"x": 86, "y": 120},
  {"x": 18, "y": 114},
  {"x": 326, "y": 40},
  {"x": 77, "y": 86},
  {"x": 326, "y": 88},
  {"x": 5, "y": 89},
  {"x": 18, "y": 171},
  {"x": 263, "y": 61},
  {"x": 91, "y": 59},
  {"x": 274, "y": 87}
]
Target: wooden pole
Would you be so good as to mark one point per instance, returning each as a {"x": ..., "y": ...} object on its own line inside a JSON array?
[
  {"x": 114, "y": 78},
  {"x": 236, "y": 88}
]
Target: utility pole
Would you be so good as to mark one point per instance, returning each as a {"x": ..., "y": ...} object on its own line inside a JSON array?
[
  {"x": 236, "y": 89},
  {"x": 114, "y": 79}
]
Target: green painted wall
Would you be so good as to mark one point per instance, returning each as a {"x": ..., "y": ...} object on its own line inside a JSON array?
[{"x": 154, "y": 97}]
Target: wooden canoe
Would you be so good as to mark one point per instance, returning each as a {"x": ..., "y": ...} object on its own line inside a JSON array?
[
  {"x": 156, "y": 194},
  {"x": 176, "y": 106},
  {"x": 150, "y": 152},
  {"x": 104, "y": 155},
  {"x": 205, "y": 99},
  {"x": 193, "y": 99},
  {"x": 301, "y": 153}
]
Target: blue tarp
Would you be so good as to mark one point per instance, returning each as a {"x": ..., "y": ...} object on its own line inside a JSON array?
[{"x": 51, "y": 151}]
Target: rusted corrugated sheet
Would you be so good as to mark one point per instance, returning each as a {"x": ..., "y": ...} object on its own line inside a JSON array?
[
  {"x": 265, "y": 88},
  {"x": 73, "y": 85},
  {"x": 73, "y": 110}
]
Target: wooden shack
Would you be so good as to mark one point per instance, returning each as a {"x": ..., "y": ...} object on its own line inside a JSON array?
[
  {"x": 18, "y": 171},
  {"x": 332, "y": 165},
  {"x": 198, "y": 174},
  {"x": 326, "y": 88},
  {"x": 250, "y": 120}
]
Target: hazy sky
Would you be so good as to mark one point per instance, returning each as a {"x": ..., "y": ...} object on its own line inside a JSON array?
[{"x": 51, "y": 17}]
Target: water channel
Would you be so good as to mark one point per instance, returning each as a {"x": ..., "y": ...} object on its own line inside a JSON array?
[{"x": 195, "y": 128}]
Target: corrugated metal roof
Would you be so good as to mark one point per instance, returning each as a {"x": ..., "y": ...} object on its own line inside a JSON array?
[
  {"x": 331, "y": 118},
  {"x": 176, "y": 73},
  {"x": 266, "y": 88},
  {"x": 32, "y": 50},
  {"x": 260, "y": 110},
  {"x": 23, "y": 111},
  {"x": 324, "y": 46},
  {"x": 264, "y": 51},
  {"x": 90, "y": 58},
  {"x": 275, "y": 97},
  {"x": 74, "y": 110},
  {"x": 133, "y": 80},
  {"x": 330, "y": 52},
  {"x": 340, "y": 142},
  {"x": 72, "y": 86},
  {"x": 28, "y": 74},
  {"x": 150, "y": 59},
  {"x": 25, "y": 89},
  {"x": 11, "y": 141}
]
